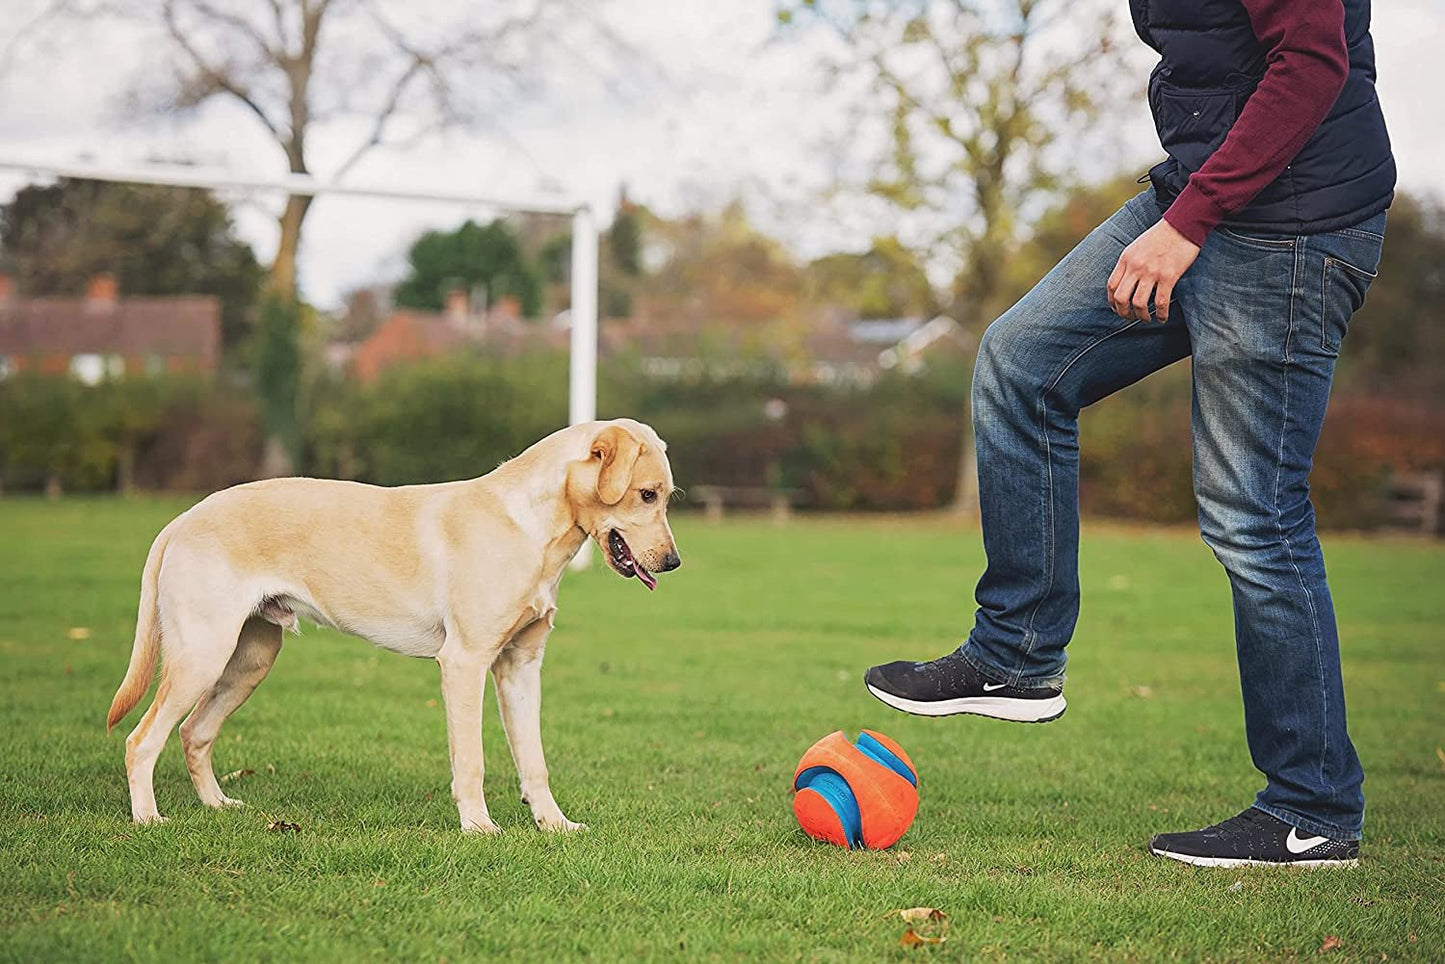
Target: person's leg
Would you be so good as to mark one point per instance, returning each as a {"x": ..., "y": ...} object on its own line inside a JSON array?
[
  {"x": 1058, "y": 350},
  {"x": 1266, "y": 317}
]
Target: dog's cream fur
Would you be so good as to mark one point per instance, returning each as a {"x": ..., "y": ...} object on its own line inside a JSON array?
[{"x": 463, "y": 572}]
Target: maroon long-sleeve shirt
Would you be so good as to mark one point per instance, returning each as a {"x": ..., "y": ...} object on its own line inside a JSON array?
[{"x": 1305, "y": 69}]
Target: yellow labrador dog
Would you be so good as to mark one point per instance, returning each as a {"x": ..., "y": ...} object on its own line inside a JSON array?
[{"x": 463, "y": 572}]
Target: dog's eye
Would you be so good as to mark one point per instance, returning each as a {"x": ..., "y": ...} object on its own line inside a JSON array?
[{"x": 649, "y": 495}]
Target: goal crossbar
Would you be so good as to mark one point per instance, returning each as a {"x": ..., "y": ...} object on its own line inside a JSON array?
[{"x": 305, "y": 185}]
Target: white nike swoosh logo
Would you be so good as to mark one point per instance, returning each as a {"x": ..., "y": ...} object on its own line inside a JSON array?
[
  {"x": 1298, "y": 845},
  {"x": 990, "y": 687}
]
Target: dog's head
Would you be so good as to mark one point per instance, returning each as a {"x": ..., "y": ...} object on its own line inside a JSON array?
[{"x": 620, "y": 495}]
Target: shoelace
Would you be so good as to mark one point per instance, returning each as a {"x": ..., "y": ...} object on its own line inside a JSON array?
[{"x": 1240, "y": 823}]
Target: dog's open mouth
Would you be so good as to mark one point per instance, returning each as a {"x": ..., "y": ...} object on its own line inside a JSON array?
[{"x": 620, "y": 555}]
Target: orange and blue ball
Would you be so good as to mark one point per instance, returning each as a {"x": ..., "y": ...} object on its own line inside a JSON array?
[{"x": 859, "y": 794}]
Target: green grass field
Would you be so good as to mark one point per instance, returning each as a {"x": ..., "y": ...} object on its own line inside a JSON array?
[{"x": 673, "y": 722}]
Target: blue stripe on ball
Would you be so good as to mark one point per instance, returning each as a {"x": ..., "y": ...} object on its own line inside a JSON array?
[
  {"x": 876, "y": 751},
  {"x": 839, "y": 796}
]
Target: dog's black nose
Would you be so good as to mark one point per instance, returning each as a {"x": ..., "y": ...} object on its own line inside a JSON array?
[{"x": 672, "y": 561}]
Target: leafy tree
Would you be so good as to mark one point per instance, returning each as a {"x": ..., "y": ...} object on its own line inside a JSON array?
[
  {"x": 968, "y": 101},
  {"x": 155, "y": 240},
  {"x": 487, "y": 255},
  {"x": 886, "y": 281},
  {"x": 721, "y": 269}
]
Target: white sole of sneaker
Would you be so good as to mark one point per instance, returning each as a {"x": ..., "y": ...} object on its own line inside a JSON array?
[
  {"x": 997, "y": 707},
  {"x": 1198, "y": 861}
]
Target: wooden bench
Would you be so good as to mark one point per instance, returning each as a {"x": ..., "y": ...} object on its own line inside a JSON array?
[
  {"x": 714, "y": 498},
  {"x": 1415, "y": 503}
]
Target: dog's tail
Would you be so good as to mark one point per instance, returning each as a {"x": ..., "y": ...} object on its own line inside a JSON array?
[{"x": 147, "y": 637}]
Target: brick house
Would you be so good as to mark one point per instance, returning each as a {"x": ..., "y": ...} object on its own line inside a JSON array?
[
  {"x": 102, "y": 335},
  {"x": 411, "y": 336}
]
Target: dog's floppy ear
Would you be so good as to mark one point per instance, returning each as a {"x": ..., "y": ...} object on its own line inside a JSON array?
[{"x": 618, "y": 450}]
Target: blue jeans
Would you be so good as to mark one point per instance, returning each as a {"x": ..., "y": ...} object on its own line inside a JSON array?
[{"x": 1263, "y": 318}]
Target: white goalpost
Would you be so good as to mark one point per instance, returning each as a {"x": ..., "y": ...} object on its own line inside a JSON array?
[{"x": 582, "y": 354}]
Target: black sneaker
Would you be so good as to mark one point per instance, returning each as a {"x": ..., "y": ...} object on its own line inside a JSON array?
[
  {"x": 1255, "y": 839},
  {"x": 950, "y": 685}
]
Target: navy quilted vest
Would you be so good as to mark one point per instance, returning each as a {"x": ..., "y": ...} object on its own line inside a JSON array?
[{"x": 1210, "y": 62}]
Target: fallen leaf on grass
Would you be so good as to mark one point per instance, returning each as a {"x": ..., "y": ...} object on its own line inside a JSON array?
[
  {"x": 1143, "y": 692},
  {"x": 78, "y": 633},
  {"x": 912, "y": 938},
  {"x": 932, "y": 922},
  {"x": 1331, "y": 943},
  {"x": 283, "y": 826},
  {"x": 236, "y": 775}
]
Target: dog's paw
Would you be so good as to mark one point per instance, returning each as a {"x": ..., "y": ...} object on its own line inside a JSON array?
[
  {"x": 149, "y": 819},
  {"x": 481, "y": 826},
  {"x": 559, "y": 824}
]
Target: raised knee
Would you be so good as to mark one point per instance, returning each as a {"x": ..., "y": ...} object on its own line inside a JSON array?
[
  {"x": 993, "y": 351},
  {"x": 996, "y": 373}
]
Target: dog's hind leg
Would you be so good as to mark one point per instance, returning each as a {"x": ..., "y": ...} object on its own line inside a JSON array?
[
  {"x": 191, "y": 664},
  {"x": 256, "y": 650}
]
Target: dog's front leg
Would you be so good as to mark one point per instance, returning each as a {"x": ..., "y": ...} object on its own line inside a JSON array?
[
  {"x": 518, "y": 673},
  {"x": 463, "y": 676}
]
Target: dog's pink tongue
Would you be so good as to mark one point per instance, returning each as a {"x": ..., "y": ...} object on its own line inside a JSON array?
[{"x": 645, "y": 577}]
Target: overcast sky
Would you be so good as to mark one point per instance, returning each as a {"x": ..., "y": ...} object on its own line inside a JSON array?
[{"x": 750, "y": 125}]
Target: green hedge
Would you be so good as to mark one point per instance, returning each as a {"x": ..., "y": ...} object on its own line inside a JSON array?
[{"x": 893, "y": 446}]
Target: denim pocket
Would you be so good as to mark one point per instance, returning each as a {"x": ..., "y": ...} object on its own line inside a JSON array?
[
  {"x": 1273, "y": 242},
  {"x": 1342, "y": 292},
  {"x": 1351, "y": 259}
]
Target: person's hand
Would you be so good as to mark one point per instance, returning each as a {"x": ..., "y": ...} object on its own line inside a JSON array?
[{"x": 1152, "y": 265}]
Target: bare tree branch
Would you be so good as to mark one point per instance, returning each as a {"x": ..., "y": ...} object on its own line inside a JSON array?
[
  {"x": 216, "y": 76},
  {"x": 383, "y": 117},
  {"x": 241, "y": 26}
]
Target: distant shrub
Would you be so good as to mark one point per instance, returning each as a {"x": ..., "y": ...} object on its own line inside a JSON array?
[
  {"x": 891, "y": 446},
  {"x": 162, "y": 432},
  {"x": 453, "y": 418}
]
